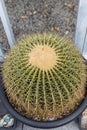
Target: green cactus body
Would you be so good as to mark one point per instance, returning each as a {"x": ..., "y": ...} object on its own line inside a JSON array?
[{"x": 44, "y": 77}]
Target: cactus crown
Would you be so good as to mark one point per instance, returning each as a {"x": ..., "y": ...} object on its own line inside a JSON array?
[{"x": 44, "y": 76}]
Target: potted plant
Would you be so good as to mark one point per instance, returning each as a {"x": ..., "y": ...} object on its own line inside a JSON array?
[{"x": 44, "y": 81}]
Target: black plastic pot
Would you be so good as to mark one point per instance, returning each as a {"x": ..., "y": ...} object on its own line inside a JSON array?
[{"x": 40, "y": 124}]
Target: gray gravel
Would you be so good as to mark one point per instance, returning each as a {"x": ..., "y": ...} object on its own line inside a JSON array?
[{"x": 32, "y": 16}]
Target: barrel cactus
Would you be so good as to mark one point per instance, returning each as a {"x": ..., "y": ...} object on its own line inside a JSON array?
[{"x": 44, "y": 77}]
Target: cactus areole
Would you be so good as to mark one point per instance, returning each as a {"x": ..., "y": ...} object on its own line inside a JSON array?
[{"x": 44, "y": 77}]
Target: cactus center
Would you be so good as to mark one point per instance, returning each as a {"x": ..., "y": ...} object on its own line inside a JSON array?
[{"x": 43, "y": 56}]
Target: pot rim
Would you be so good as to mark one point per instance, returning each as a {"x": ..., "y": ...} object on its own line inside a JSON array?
[{"x": 41, "y": 124}]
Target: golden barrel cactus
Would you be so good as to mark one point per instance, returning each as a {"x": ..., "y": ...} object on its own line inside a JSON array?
[{"x": 44, "y": 77}]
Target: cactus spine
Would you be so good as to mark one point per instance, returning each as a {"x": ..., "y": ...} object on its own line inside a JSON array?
[{"x": 44, "y": 76}]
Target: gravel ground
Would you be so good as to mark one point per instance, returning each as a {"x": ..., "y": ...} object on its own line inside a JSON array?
[{"x": 32, "y": 16}]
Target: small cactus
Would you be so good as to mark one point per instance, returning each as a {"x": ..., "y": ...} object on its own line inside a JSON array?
[{"x": 44, "y": 77}]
